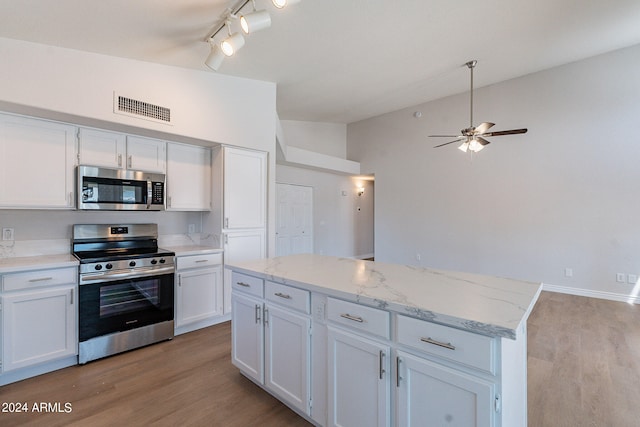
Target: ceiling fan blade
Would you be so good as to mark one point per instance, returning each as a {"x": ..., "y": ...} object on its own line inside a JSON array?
[
  {"x": 446, "y": 136},
  {"x": 483, "y": 127},
  {"x": 447, "y": 143},
  {"x": 505, "y": 132},
  {"x": 482, "y": 141}
]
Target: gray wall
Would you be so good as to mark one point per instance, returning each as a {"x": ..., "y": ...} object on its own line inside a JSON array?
[{"x": 564, "y": 195}]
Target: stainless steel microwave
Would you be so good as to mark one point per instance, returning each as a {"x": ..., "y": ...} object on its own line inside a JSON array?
[{"x": 118, "y": 189}]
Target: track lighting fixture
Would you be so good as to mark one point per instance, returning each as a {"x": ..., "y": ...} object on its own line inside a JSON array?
[
  {"x": 215, "y": 58},
  {"x": 255, "y": 21},
  {"x": 282, "y": 3},
  {"x": 251, "y": 22}
]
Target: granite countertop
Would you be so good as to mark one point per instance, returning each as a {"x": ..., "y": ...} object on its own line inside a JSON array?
[
  {"x": 15, "y": 264},
  {"x": 482, "y": 304}
]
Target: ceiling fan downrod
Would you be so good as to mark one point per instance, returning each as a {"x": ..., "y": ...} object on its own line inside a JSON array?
[{"x": 471, "y": 64}]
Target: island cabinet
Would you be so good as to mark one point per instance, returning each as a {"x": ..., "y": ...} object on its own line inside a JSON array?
[
  {"x": 198, "y": 290},
  {"x": 271, "y": 338},
  {"x": 377, "y": 359},
  {"x": 38, "y": 322}
]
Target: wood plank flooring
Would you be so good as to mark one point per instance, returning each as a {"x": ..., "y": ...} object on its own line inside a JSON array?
[{"x": 584, "y": 370}]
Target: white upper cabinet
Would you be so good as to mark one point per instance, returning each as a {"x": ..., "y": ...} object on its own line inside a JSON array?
[
  {"x": 245, "y": 188},
  {"x": 188, "y": 178},
  {"x": 37, "y": 160},
  {"x": 119, "y": 151}
]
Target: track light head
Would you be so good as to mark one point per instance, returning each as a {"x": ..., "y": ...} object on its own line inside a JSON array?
[
  {"x": 255, "y": 21},
  {"x": 232, "y": 44},
  {"x": 215, "y": 58},
  {"x": 282, "y": 3}
]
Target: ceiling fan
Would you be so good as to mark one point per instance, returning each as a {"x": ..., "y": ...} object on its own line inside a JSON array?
[{"x": 474, "y": 137}]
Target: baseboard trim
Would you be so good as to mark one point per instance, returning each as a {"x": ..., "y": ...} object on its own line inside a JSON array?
[{"x": 630, "y": 299}]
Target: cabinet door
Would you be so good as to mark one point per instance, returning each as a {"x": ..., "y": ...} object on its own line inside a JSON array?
[
  {"x": 37, "y": 163},
  {"x": 359, "y": 381},
  {"x": 188, "y": 178},
  {"x": 38, "y": 326},
  {"x": 146, "y": 154},
  {"x": 240, "y": 246},
  {"x": 245, "y": 188},
  {"x": 102, "y": 148},
  {"x": 247, "y": 338},
  {"x": 432, "y": 394},
  {"x": 198, "y": 295},
  {"x": 287, "y": 363}
]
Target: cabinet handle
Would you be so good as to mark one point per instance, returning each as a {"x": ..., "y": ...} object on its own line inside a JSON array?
[
  {"x": 354, "y": 318},
  {"x": 281, "y": 295},
  {"x": 129, "y": 161},
  {"x": 257, "y": 313},
  {"x": 429, "y": 340},
  {"x": 266, "y": 316},
  {"x": 71, "y": 300},
  {"x": 169, "y": 201},
  {"x": 246, "y": 285},
  {"x": 202, "y": 260},
  {"x": 42, "y": 279},
  {"x": 179, "y": 280},
  {"x": 381, "y": 367},
  {"x": 71, "y": 198},
  {"x": 226, "y": 223},
  {"x": 226, "y": 239},
  {"x": 398, "y": 378},
  {"x": 119, "y": 159}
]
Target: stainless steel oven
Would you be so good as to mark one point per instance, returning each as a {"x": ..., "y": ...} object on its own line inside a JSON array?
[{"x": 126, "y": 288}]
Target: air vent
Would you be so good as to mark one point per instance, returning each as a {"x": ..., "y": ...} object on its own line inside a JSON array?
[{"x": 145, "y": 110}]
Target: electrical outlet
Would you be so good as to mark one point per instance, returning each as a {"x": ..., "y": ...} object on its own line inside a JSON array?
[
  {"x": 620, "y": 277},
  {"x": 568, "y": 272},
  {"x": 7, "y": 234},
  {"x": 632, "y": 278}
]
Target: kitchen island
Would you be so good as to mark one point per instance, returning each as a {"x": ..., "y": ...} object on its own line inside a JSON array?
[{"x": 353, "y": 342}]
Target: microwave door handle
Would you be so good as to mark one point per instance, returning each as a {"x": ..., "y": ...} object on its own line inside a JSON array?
[{"x": 148, "y": 194}]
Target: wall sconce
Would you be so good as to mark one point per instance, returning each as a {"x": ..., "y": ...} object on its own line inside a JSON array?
[{"x": 360, "y": 191}]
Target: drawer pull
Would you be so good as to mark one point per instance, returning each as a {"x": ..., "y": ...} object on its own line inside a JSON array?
[
  {"x": 354, "y": 318},
  {"x": 246, "y": 285},
  {"x": 202, "y": 260},
  {"x": 438, "y": 343},
  {"x": 281, "y": 295},
  {"x": 42, "y": 279}
]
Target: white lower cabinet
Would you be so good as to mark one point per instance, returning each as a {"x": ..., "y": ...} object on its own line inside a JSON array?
[
  {"x": 431, "y": 394},
  {"x": 199, "y": 301},
  {"x": 359, "y": 381},
  {"x": 39, "y": 319},
  {"x": 271, "y": 338}
]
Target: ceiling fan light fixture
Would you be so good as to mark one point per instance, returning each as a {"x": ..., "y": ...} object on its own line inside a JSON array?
[
  {"x": 215, "y": 58},
  {"x": 475, "y": 145},
  {"x": 255, "y": 21},
  {"x": 232, "y": 44},
  {"x": 464, "y": 147}
]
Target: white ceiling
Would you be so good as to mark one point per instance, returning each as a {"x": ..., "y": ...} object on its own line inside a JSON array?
[{"x": 343, "y": 60}]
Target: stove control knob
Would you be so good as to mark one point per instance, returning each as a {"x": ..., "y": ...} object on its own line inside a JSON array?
[
  {"x": 154, "y": 261},
  {"x": 108, "y": 266},
  {"x": 98, "y": 267},
  {"x": 162, "y": 261},
  {"x": 132, "y": 264}
]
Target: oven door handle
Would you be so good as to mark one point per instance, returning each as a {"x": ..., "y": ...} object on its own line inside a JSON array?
[{"x": 117, "y": 275}]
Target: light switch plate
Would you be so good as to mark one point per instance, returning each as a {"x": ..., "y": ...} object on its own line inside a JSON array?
[{"x": 7, "y": 234}]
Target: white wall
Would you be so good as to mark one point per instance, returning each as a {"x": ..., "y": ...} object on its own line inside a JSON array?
[
  {"x": 335, "y": 229},
  {"x": 324, "y": 138},
  {"x": 564, "y": 195}
]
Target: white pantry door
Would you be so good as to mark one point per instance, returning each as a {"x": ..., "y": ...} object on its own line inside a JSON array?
[{"x": 294, "y": 219}]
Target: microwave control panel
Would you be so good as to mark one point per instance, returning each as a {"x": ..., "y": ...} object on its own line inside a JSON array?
[{"x": 157, "y": 193}]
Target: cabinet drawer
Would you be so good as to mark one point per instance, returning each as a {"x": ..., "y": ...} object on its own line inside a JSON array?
[
  {"x": 39, "y": 278},
  {"x": 356, "y": 316},
  {"x": 193, "y": 261},
  {"x": 463, "y": 347},
  {"x": 297, "y": 299},
  {"x": 247, "y": 284}
]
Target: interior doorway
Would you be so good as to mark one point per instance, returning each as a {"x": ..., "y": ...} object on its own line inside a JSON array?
[{"x": 294, "y": 219}]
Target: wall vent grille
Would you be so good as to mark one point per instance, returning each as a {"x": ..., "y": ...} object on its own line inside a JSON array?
[{"x": 141, "y": 109}]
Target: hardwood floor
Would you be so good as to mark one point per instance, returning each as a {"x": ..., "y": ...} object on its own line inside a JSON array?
[{"x": 584, "y": 370}]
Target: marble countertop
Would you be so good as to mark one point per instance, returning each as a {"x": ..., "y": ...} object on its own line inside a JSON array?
[
  {"x": 15, "y": 264},
  {"x": 482, "y": 304},
  {"x": 193, "y": 250}
]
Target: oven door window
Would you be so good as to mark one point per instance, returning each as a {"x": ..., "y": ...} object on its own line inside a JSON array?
[{"x": 109, "y": 307}]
